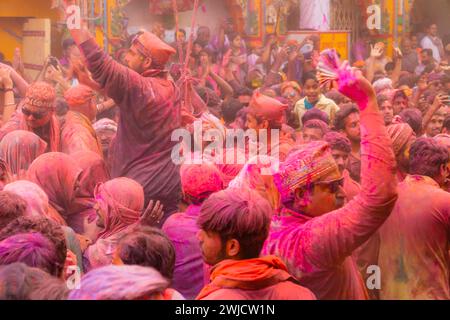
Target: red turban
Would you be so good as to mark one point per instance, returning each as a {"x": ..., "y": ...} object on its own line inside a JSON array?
[
  {"x": 200, "y": 180},
  {"x": 266, "y": 107},
  {"x": 150, "y": 46}
]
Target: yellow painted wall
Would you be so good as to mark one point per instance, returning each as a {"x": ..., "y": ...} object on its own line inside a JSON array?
[{"x": 13, "y": 14}]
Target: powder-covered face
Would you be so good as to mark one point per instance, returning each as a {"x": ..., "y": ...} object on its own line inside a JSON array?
[
  {"x": 435, "y": 125},
  {"x": 312, "y": 134},
  {"x": 341, "y": 159},
  {"x": 312, "y": 90},
  {"x": 322, "y": 198},
  {"x": 352, "y": 128},
  {"x": 36, "y": 117},
  {"x": 400, "y": 104},
  {"x": 387, "y": 110}
]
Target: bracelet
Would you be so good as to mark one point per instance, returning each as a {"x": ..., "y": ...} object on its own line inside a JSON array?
[{"x": 6, "y": 89}]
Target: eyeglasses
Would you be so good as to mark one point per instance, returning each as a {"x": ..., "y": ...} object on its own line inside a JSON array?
[
  {"x": 333, "y": 186},
  {"x": 36, "y": 115}
]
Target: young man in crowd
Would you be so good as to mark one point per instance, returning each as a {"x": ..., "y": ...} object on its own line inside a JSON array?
[
  {"x": 150, "y": 110},
  {"x": 233, "y": 227},
  {"x": 348, "y": 123}
]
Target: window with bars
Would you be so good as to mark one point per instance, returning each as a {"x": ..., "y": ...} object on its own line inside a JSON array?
[{"x": 345, "y": 15}]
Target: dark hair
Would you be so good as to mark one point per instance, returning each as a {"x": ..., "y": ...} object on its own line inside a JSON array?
[
  {"x": 210, "y": 98},
  {"x": 399, "y": 94},
  {"x": 390, "y": 66},
  {"x": 309, "y": 76},
  {"x": 21, "y": 282},
  {"x": 67, "y": 43},
  {"x": 230, "y": 108},
  {"x": 345, "y": 110},
  {"x": 242, "y": 91},
  {"x": 51, "y": 230},
  {"x": 233, "y": 35},
  {"x": 426, "y": 157},
  {"x": 33, "y": 249},
  {"x": 12, "y": 207},
  {"x": 317, "y": 114},
  {"x": 334, "y": 95},
  {"x": 382, "y": 98},
  {"x": 148, "y": 247},
  {"x": 413, "y": 117},
  {"x": 182, "y": 31},
  {"x": 407, "y": 80},
  {"x": 61, "y": 107},
  {"x": 317, "y": 124},
  {"x": 447, "y": 123},
  {"x": 429, "y": 52},
  {"x": 338, "y": 141},
  {"x": 240, "y": 214}
]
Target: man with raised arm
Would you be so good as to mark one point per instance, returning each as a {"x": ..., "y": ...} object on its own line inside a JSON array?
[
  {"x": 149, "y": 111},
  {"x": 312, "y": 236}
]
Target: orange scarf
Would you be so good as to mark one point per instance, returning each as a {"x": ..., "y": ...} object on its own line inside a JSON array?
[{"x": 251, "y": 274}]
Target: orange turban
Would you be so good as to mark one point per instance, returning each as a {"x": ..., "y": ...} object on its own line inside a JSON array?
[
  {"x": 150, "y": 46},
  {"x": 79, "y": 100},
  {"x": 78, "y": 96},
  {"x": 266, "y": 107}
]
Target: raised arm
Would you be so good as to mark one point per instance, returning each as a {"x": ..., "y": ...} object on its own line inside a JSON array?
[
  {"x": 118, "y": 82},
  {"x": 20, "y": 83},
  {"x": 6, "y": 84},
  {"x": 329, "y": 239}
]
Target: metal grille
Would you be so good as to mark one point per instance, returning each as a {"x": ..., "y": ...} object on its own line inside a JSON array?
[{"x": 345, "y": 15}]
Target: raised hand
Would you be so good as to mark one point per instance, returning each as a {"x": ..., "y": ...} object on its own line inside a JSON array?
[
  {"x": 377, "y": 50},
  {"x": 5, "y": 77},
  {"x": 153, "y": 214},
  {"x": 353, "y": 85},
  {"x": 441, "y": 100}
]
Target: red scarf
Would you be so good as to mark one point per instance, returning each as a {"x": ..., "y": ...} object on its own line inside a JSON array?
[{"x": 251, "y": 274}]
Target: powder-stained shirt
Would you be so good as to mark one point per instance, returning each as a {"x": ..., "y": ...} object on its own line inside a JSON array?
[
  {"x": 414, "y": 245},
  {"x": 149, "y": 112},
  {"x": 317, "y": 251}
]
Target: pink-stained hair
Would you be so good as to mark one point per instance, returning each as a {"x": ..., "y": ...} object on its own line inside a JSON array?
[
  {"x": 239, "y": 214},
  {"x": 427, "y": 156}
]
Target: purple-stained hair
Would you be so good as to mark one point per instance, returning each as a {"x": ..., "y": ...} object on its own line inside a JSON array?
[
  {"x": 338, "y": 141},
  {"x": 426, "y": 157},
  {"x": 240, "y": 214},
  {"x": 120, "y": 283},
  {"x": 33, "y": 249}
]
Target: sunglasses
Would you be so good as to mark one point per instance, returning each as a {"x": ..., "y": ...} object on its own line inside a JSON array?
[
  {"x": 36, "y": 115},
  {"x": 289, "y": 95},
  {"x": 333, "y": 186}
]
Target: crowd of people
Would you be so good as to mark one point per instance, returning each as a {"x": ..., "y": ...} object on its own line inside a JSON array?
[{"x": 93, "y": 205}]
